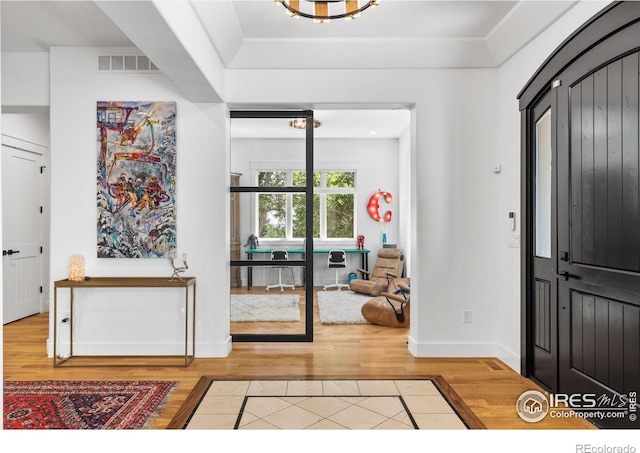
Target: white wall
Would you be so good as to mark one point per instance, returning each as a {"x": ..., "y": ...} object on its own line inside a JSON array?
[
  {"x": 25, "y": 79},
  {"x": 201, "y": 148},
  {"x": 377, "y": 168},
  {"x": 512, "y": 77},
  {"x": 31, "y": 127},
  {"x": 405, "y": 196},
  {"x": 456, "y": 218}
]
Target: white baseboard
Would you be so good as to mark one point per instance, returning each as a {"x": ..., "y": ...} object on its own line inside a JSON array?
[{"x": 442, "y": 349}]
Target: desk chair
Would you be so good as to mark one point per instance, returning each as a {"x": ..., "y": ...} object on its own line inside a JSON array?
[
  {"x": 281, "y": 255},
  {"x": 337, "y": 259}
]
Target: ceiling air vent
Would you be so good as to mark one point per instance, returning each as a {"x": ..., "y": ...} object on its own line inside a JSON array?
[{"x": 126, "y": 63}]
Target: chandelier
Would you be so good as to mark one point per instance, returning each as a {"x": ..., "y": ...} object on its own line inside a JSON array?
[
  {"x": 301, "y": 123},
  {"x": 321, "y": 13}
]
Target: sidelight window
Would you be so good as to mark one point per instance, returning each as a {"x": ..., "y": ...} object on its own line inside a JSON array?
[{"x": 543, "y": 186}]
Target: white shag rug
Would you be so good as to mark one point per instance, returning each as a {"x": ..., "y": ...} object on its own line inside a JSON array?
[
  {"x": 265, "y": 307},
  {"x": 341, "y": 307}
]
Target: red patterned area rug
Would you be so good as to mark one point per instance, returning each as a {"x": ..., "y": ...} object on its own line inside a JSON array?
[{"x": 82, "y": 404}]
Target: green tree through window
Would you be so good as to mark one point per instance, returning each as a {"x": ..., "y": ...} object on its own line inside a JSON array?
[
  {"x": 283, "y": 216},
  {"x": 272, "y": 207}
]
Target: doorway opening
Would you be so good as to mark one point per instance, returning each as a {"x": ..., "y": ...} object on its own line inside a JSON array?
[{"x": 356, "y": 153}]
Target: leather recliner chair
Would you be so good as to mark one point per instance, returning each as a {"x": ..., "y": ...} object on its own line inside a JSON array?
[{"x": 389, "y": 265}]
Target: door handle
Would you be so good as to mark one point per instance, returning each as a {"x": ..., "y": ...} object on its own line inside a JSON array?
[
  {"x": 10, "y": 252},
  {"x": 567, "y": 276}
]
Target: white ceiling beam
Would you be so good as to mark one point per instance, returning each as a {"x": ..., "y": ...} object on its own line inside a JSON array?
[
  {"x": 170, "y": 34},
  {"x": 220, "y": 22}
]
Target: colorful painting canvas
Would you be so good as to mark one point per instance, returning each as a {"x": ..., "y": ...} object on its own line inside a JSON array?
[{"x": 136, "y": 179}]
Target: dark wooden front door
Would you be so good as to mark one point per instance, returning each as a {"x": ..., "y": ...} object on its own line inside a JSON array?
[
  {"x": 598, "y": 222},
  {"x": 581, "y": 292}
]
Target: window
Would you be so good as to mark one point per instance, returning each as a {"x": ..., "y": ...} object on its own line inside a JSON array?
[{"x": 283, "y": 215}]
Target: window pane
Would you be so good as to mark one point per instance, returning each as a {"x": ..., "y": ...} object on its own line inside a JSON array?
[
  {"x": 543, "y": 187},
  {"x": 340, "y": 215},
  {"x": 272, "y": 218},
  {"x": 272, "y": 179},
  {"x": 299, "y": 216},
  {"x": 298, "y": 179},
  {"x": 340, "y": 179}
]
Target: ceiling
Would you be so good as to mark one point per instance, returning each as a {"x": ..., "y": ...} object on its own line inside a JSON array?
[
  {"x": 391, "y": 19},
  {"x": 35, "y": 26},
  {"x": 259, "y": 33},
  {"x": 255, "y": 34}
]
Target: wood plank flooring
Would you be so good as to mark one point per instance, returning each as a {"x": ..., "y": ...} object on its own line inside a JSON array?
[{"x": 487, "y": 386}]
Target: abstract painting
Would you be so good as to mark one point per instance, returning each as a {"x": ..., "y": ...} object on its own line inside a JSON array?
[{"x": 136, "y": 179}]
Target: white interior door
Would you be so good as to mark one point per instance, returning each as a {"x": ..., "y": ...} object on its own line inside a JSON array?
[{"x": 22, "y": 233}]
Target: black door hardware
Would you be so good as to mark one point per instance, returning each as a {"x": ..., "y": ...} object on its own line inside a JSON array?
[{"x": 567, "y": 275}]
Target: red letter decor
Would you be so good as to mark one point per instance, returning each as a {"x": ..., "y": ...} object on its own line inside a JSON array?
[{"x": 374, "y": 206}]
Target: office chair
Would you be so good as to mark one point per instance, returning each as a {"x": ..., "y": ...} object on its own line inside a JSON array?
[
  {"x": 337, "y": 259},
  {"x": 281, "y": 255}
]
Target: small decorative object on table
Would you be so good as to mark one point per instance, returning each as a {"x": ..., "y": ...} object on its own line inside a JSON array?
[
  {"x": 361, "y": 242},
  {"x": 76, "y": 268},
  {"x": 252, "y": 242},
  {"x": 178, "y": 270}
]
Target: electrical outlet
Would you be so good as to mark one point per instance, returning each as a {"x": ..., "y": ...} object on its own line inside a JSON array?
[{"x": 466, "y": 315}]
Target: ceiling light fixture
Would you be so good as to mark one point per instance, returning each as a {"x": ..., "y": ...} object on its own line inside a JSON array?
[
  {"x": 301, "y": 123},
  {"x": 321, "y": 13}
]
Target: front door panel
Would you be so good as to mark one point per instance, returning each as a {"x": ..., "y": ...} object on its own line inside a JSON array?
[{"x": 599, "y": 230}]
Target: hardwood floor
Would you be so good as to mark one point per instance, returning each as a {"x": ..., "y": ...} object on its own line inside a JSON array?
[{"x": 487, "y": 386}]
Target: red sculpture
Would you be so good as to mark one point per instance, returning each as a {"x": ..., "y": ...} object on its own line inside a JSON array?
[{"x": 361, "y": 242}]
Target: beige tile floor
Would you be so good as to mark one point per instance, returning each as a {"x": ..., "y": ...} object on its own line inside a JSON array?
[{"x": 325, "y": 404}]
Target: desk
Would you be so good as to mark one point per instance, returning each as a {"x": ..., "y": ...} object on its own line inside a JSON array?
[
  {"x": 126, "y": 282},
  {"x": 325, "y": 251}
]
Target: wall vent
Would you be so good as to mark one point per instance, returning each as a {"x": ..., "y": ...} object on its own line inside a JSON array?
[{"x": 126, "y": 64}]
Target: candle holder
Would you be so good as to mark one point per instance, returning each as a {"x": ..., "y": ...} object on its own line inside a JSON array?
[
  {"x": 76, "y": 268},
  {"x": 177, "y": 270}
]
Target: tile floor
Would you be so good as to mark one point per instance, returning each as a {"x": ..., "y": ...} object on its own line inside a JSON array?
[{"x": 325, "y": 404}]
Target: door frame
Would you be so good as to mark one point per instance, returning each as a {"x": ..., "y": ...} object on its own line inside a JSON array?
[
  {"x": 546, "y": 102},
  {"x": 307, "y": 263},
  {"x": 612, "y": 19}
]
